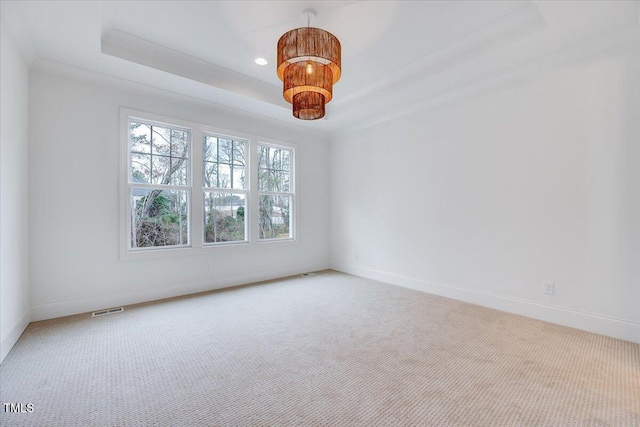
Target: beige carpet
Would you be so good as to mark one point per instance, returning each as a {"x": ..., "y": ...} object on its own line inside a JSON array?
[{"x": 328, "y": 350}]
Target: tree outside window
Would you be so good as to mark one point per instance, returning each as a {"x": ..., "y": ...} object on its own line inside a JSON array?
[
  {"x": 159, "y": 185},
  {"x": 276, "y": 192}
]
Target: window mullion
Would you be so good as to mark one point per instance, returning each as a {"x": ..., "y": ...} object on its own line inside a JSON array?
[
  {"x": 231, "y": 164},
  {"x": 217, "y": 162},
  {"x": 158, "y": 186},
  {"x": 170, "y": 153},
  {"x": 197, "y": 182},
  {"x": 275, "y": 193},
  {"x": 225, "y": 190},
  {"x": 254, "y": 211}
]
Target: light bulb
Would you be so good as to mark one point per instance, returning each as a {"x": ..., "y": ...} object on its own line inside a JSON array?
[{"x": 309, "y": 68}]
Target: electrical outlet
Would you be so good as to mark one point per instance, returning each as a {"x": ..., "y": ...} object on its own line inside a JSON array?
[
  {"x": 356, "y": 257},
  {"x": 208, "y": 266},
  {"x": 548, "y": 288}
]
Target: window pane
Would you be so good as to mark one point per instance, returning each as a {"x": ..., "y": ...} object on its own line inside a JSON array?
[
  {"x": 179, "y": 143},
  {"x": 238, "y": 153},
  {"x": 169, "y": 171},
  {"x": 224, "y": 176},
  {"x": 140, "y": 136},
  {"x": 210, "y": 149},
  {"x": 224, "y": 163},
  {"x": 210, "y": 174},
  {"x": 275, "y": 220},
  {"x": 284, "y": 182},
  {"x": 274, "y": 169},
  {"x": 159, "y": 217},
  {"x": 161, "y": 140},
  {"x": 263, "y": 179},
  {"x": 160, "y": 170},
  {"x": 274, "y": 158},
  {"x": 140, "y": 168},
  {"x": 159, "y": 154},
  {"x": 224, "y": 217},
  {"x": 278, "y": 181},
  {"x": 238, "y": 177},
  {"x": 239, "y": 163},
  {"x": 286, "y": 160},
  {"x": 224, "y": 150},
  {"x": 179, "y": 175},
  {"x": 263, "y": 156}
]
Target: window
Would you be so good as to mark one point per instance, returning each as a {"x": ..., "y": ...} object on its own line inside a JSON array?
[
  {"x": 225, "y": 189},
  {"x": 245, "y": 192},
  {"x": 275, "y": 192},
  {"x": 159, "y": 184}
]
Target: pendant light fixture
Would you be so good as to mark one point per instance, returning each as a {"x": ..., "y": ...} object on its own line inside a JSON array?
[{"x": 309, "y": 66}]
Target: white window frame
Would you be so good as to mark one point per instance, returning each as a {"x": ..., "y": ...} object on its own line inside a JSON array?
[
  {"x": 196, "y": 227},
  {"x": 246, "y": 191},
  {"x": 157, "y": 121},
  {"x": 291, "y": 193}
]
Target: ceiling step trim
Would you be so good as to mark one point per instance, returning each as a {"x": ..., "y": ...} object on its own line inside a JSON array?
[{"x": 134, "y": 49}]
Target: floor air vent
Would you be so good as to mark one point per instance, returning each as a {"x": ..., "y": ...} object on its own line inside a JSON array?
[
  {"x": 308, "y": 274},
  {"x": 108, "y": 311}
]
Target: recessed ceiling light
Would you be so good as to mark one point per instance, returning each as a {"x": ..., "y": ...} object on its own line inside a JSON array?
[{"x": 261, "y": 61}]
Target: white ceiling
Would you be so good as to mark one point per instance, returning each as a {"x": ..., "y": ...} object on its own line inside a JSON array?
[{"x": 396, "y": 55}]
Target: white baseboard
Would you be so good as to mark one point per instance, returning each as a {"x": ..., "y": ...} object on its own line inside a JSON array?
[
  {"x": 592, "y": 322},
  {"x": 84, "y": 305},
  {"x": 9, "y": 340}
]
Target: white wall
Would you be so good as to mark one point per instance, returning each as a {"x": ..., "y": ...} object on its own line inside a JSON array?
[
  {"x": 14, "y": 266},
  {"x": 486, "y": 198},
  {"x": 75, "y": 264}
]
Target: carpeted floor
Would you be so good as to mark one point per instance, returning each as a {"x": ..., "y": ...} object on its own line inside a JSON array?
[{"x": 327, "y": 350}]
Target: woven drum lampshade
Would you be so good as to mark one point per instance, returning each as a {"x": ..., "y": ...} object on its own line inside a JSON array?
[{"x": 309, "y": 66}]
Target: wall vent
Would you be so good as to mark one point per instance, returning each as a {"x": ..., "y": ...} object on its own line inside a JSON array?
[
  {"x": 107, "y": 311},
  {"x": 308, "y": 274}
]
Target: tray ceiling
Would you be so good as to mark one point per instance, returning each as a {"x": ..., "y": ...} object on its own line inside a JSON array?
[{"x": 396, "y": 54}]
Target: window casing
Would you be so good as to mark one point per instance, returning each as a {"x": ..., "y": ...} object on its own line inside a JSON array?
[{"x": 220, "y": 192}]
